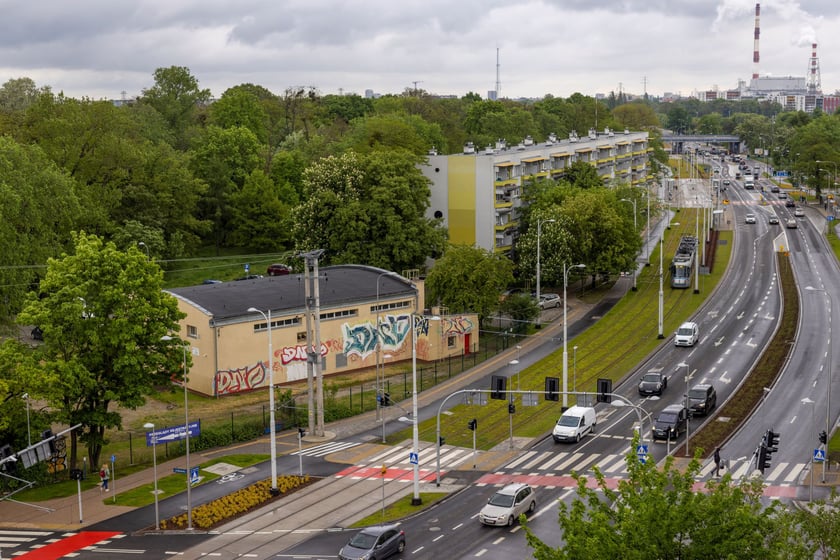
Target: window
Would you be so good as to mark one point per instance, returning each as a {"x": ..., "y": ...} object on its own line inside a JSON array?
[
  {"x": 262, "y": 327},
  {"x": 390, "y": 306},
  {"x": 451, "y": 341},
  {"x": 192, "y": 331}
]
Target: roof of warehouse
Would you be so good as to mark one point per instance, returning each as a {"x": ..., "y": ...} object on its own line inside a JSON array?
[{"x": 340, "y": 285}]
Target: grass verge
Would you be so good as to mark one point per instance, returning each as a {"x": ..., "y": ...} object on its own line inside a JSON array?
[{"x": 400, "y": 509}]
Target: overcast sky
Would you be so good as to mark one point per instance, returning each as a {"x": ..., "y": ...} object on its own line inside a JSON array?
[{"x": 101, "y": 48}]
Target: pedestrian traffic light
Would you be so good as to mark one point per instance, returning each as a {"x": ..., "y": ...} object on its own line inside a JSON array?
[
  {"x": 511, "y": 408},
  {"x": 552, "y": 388},
  {"x": 823, "y": 437},
  {"x": 473, "y": 424},
  {"x": 772, "y": 441},
  {"x": 764, "y": 456},
  {"x": 386, "y": 399},
  {"x": 604, "y": 390},
  {"x": 441, "y": 441},
  {"x": 498, "y": 387}
]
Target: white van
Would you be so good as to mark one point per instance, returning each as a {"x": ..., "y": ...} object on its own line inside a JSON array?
[
  {"x": 574, "y": 424},
  {"x": 687, "y": 334}
]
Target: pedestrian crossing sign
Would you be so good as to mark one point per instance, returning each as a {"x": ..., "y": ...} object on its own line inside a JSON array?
[
  {"x": 641, "y": 450},
  {"x": 413, "y": 458},
  {"x": 819, "y": 455}
]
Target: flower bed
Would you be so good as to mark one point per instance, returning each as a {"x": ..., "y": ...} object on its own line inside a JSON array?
[{"x": 207, "y": 516}]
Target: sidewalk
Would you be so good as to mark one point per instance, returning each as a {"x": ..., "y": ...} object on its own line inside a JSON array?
[{"x": 64, "y": 514}]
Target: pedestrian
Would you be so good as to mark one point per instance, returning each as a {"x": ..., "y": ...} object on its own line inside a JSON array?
[
  {"x": 104, "y": 475},
  {"x": 717, "y": 461}
]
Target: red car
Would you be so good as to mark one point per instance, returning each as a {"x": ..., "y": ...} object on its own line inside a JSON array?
[{"x": 278, "y": 270}]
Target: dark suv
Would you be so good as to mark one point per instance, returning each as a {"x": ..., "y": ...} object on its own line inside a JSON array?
[
  {"x": 702, "y": 398},
  {"x": 671, "y": 423}
]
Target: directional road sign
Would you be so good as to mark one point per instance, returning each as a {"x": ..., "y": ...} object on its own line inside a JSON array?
[
  {"x": 819, "y": 455},
  {"x": 173, "y": 433}
]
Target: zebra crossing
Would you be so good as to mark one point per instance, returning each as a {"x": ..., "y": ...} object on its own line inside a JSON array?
[
  {"x": 51, "y": 544},
  {"x": 615, "y": 465},
  {"x": 326, "y": 448}
]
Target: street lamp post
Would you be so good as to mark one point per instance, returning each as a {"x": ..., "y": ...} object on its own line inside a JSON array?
[
  {"x": 687, "y": 420},
  {"x": 150, "y": 426},
  {"x": 808, "y": 401},
  {"x": 828, "y": 365},
  {"x": 146, "y": 247},
  {"x": 168, "y": 338},
  {"x": 415, "y": 440},
  {"x": 565, "y": 336},
  {"x": 273, "y": 427},
  {"x": 834, "y": 176},
  {"x": 380, "y": 382},
  {"x": 619, "y": 402},
  {"x": 661, "y": 318},
  {"x": 574, "y": 368},
  {"x": 635, "y": 229},
  {"x": 539, "y": 234}
]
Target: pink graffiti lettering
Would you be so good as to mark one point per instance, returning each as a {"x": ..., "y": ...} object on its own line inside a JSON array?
[
  {"x": 290, "y": 354},
  {"x": 241, "y": 379}
]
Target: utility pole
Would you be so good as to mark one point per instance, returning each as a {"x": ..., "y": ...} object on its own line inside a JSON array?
[
  {"x": 314, "y": 379},
  {"x": 415, "y": 86}
]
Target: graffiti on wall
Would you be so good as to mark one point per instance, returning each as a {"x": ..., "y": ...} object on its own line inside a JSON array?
[
  {"x": 457, "y": 325},
  {"x": 289, "y": 354},
  {"x": 393, "y": 332},
  {"x": 241, "y": 379}
]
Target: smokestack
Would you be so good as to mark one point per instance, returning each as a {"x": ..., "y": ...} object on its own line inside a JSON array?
[
  {"x": 755, "y": 41},
  {"x": 813, "y": 84}
]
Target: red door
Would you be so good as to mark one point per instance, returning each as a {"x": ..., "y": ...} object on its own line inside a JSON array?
[{"x": 467, "y": 344}]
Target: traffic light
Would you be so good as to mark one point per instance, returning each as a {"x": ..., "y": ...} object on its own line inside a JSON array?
[
  {"x": 772, "y": 441},
  {"x": 473, "y": 424},
  {"x": 498, "y": 387},
  {"x": 511, "y": 408},
  {"x": 386, "y": 399},
  {"x": 604, "y": 390},
  {"x": 301, "y": 432},
  {"x": 823, "y": 437},
  {"x": 552, "y": 388},
  {"x": 441, "y": 441},
  {"x": 764, "y": 456}
]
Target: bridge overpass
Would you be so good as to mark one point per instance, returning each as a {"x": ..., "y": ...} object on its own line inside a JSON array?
[{"x": 677, "y": 141}]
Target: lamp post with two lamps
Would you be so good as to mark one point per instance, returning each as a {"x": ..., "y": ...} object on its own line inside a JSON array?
[
  {"x": 539, "y": 235},
  {"x": 380, "y": 376},
  {"x": 167, "y": 338},
  {"x": 808, "y": 401},
  {"x": 566, "y": 270},
  {"x": 151, "y": 426},
  {"x": 273, "y": 426}
]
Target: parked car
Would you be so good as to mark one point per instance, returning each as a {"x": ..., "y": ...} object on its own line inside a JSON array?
[
  {"x": 505, "y": 506},
  {"x": 547, "y": 301},
  {"x": 653, "y": 383},
  {"x": 671, "y": 423},
  {"x": 799, "y": 212},
  {"x": 278, "y": 270},
  {"x": 749, "y": 219},
  {"x": 379, "y": 541},
  {"x": 702, "y": 398},
  {"x": 774, "y": 219}
]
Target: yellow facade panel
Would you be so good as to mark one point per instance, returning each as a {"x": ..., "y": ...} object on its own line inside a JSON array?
[{"x": 462, "y": 196}]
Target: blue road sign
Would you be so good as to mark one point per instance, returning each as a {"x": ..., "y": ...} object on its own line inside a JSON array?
[
  {"x": 413, "y": 458},
  {"x": 247, "y": 267},
  {"x": 179, "y": 470},
  {"x": 830, "y": 218},
  {"x": 819, "y": 455},
  {"x": 113, "y": 458},
  {"x": 642, "y": 450},
  {"x": 193, "y": 475},
  {"x": 173, "y": 433}
]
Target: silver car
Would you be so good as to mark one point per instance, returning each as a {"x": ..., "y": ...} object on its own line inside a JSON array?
[
  {"x": 550, "y": 300},
  {"x": 507, "y": 504},
  {"x": 376, "y": 542}
]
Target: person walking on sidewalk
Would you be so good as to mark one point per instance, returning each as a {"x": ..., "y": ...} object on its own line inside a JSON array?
[
  {"x": 104, "y": 475},
  {"x": 717, "y": 461}
]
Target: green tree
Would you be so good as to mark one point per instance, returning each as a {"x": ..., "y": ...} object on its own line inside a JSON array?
[
  {"x": 260, "y": 220},
  {"x": 38, "y": 212},
  {"x": 176, "y": 96},
  {"x": 240, "y": 107},
  {"x": 19, "y": 376},
  {"x": 679, "y": 120},
  {"x": 657, "y": 514},
  {"x": 469, "y": 279},
  {"x": 582, "y": 175},
  {"x": 373, "y": 207},
  {"x": 103, "y": 313},
  {"x": 636, "y": 116},
  {"x": 819, "y": 522}
]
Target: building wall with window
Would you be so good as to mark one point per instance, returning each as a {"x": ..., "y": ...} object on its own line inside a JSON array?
[
  {"x": 359, "y": 306},
  {"x": 478, "y": 194}
]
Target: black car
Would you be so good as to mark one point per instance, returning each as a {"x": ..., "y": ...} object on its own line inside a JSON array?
[
  {"x": 702, "y": 398},
  {"x": 377, "y": 542},
  {"x": 653, "y": 383},
  {"x": 790, "y": 203},
  {"x": 671, "y": 423}
]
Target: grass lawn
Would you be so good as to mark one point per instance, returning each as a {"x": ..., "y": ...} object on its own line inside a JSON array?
[{"x": 400, "y": 509}]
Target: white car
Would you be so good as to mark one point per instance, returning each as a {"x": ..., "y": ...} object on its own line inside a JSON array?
[
  {"x": 687, "y": 335},
  {"x": 799, "y": 212},
  {"x": 548, "y": 301},
  {"x": 749, "y": 219},
  {"x": 505, "y": 506}
]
